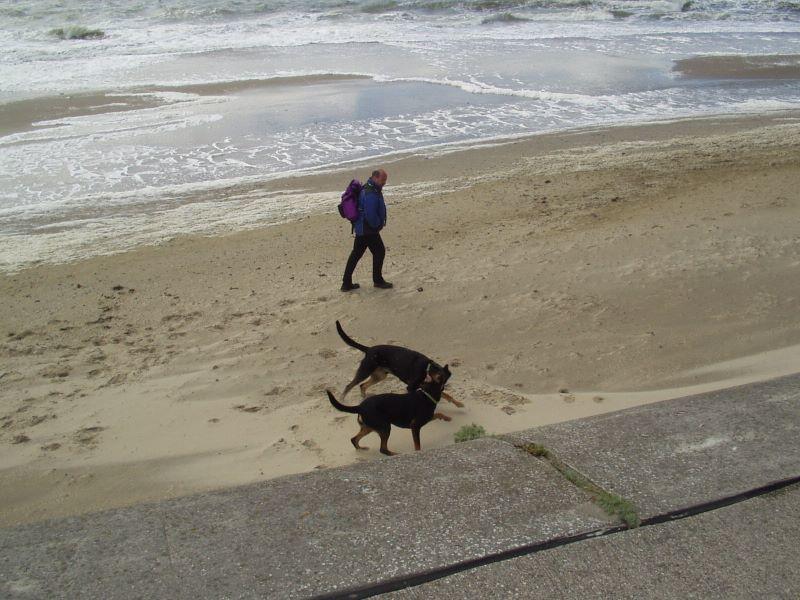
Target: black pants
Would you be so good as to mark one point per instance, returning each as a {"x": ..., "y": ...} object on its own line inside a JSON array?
[{"x": 374, "y": 242}]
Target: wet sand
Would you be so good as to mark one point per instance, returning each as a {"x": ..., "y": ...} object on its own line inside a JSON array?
[
  {"x": 560, "y": 276},
  {"x": 23, "y": 115},
  {"x": 776, "y": 66}
]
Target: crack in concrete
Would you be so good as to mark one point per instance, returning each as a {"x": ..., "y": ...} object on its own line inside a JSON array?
[{"x": 613, "y": 504}]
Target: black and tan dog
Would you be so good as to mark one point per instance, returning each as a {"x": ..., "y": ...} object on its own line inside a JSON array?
[
  {"x": 409, "y": 366},
  {"x": 412, "y": 410}
]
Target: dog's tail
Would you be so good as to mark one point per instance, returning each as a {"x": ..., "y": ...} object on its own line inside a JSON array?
[
  {"x": 348, "y": 340},
  {"x": 339, "y": 406}
]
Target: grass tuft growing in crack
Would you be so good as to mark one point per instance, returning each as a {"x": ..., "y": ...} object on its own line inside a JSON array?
[
  {"x": 614, "y": 505},
  {"x": 537, "y": 450}
]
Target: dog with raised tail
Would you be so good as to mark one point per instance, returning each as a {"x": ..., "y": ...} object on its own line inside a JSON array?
[
  {"x": 409, "y": 366},
  {"x": 412, "y": 410}
]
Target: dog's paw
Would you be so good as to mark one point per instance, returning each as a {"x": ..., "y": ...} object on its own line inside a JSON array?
[{"x": 459, "y": 404}]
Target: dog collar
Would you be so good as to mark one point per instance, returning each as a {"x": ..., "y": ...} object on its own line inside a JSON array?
[{"x": 435, "y": 402}]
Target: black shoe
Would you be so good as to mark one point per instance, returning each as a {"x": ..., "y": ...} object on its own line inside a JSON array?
[
  {"x": 384, "y": 285},
  {"x": 349, "y": 287}
]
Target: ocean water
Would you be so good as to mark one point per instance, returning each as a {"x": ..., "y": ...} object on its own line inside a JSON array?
[{"x": 109, "y": 137}]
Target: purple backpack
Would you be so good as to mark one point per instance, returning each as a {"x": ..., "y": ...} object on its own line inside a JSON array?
[{"x": 348, "y": 207}]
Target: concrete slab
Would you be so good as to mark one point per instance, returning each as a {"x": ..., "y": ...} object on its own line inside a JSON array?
[
  {"x": 748, "y": 550},
  {"x": 303, "y": 535},
  {"x": 116, "y": 554},
  {"x": 676, "y": 453}
]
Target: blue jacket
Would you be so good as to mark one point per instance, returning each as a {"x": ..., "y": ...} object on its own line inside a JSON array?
[{"x": 371, "y": 210}]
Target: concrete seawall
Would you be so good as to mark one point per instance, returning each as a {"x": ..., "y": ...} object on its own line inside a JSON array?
[{"x": 540, "y": 513}]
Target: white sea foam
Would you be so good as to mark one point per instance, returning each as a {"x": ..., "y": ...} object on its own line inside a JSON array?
[{"x": 33, "y": 61}]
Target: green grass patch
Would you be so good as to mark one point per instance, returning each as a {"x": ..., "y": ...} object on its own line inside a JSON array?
[
  {"x": 76, "y": 32},
  {"x": 616, "y": 505},
  {"x": 537, "y": 450},
  {"x": 469, "y": 432}
]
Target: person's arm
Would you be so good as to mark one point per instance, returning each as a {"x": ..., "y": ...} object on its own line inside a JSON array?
[
  {"x": 382, "y": 210},
  {"x": 372, "y": 210}
]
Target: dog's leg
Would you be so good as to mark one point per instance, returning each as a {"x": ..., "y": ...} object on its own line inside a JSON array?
[
  {"x": 449, "y": 398},
  {"x": 377, "y": 376},
  {"x": 415, "y": 433},
  {"x": 441, "y": 416},
  {"x": 365, "y": 369},
  {"x": 384, "y": 441},
  {"x": 348, "y": 387},
  {"x": 357, "y": 437}
]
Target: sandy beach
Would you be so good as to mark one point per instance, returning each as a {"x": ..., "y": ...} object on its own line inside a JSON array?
[{"x": 559, "y": 275}]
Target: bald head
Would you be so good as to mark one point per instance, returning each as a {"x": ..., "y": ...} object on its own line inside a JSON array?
[{"x": 379, "y": 176}]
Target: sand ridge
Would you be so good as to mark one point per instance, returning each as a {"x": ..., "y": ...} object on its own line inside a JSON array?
[{"x": 558, "y": 280}]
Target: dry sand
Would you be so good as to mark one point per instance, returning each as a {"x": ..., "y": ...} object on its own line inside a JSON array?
[{"x": 623, "y": 266}]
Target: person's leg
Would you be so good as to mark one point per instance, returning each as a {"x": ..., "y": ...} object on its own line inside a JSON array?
[
  {"x": 359, "y": 247},
  {"x": 378, "y": 253}
]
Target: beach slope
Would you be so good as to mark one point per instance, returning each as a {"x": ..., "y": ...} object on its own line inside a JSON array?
[{"x": 560, "y": 276}]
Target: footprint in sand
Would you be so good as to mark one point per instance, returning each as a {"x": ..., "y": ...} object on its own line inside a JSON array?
[
  {"x": 87, "y": 436},
  {"x": 247, "y": 409},
  {"x": 568, "y": 398},
  {"x": 116, "y": 380},
  {"x": 275, "y": 391},
  {"x": 312, "y": 445},
  {"x": 55, "y": 372},
  {"x": 36, "y": 419},
  {"x": 498, "y": 398},
  {"x": 20, "y": 336},
  {"x": 598, "y": 399},
  {"x": 317, "y": 390}
]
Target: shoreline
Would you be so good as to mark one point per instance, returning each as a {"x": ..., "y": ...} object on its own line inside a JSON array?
[
  {"x": 602, "y": 263},
  {"x": 55, "y": 240}
]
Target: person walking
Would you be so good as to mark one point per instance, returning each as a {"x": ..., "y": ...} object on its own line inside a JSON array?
[{"x": 367, "y": 228}]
